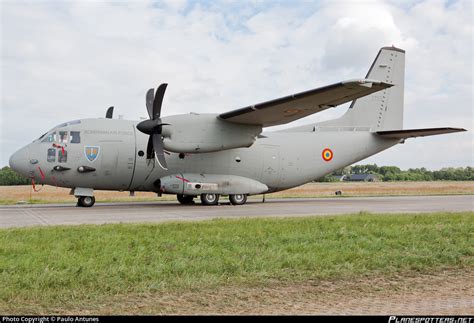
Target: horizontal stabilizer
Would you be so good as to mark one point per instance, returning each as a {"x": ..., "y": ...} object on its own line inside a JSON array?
[{"x": 412, "y": 133}]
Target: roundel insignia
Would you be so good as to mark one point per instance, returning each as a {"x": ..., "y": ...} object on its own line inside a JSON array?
[{"x": 327, "y": 154}]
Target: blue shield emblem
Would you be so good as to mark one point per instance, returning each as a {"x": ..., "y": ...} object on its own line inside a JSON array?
[{"x": 92, "y": 152}]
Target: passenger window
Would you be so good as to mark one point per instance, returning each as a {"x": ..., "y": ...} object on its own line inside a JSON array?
[
  {"x": 50, "y": 138},
  {"x": 75, "y": 137},
  {"x": 51, "y": 155},
  {"x": 63, "y": 137},
  {"x": 62, "y": 156}
]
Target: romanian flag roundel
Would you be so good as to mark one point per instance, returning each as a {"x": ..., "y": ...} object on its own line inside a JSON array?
[{"x": 327, "y": 154}]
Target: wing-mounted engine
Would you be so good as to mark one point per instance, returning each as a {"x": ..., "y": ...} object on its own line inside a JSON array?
[
  {"x": 203, "y": 133},
  {"x": 192, "y": 133},
  {"x": 195, "y": 184}
]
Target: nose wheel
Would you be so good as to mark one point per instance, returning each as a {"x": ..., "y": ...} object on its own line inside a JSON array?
[{"x": 85, "y": 201}]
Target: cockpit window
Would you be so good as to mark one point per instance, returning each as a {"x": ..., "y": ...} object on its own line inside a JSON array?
[
  {"x": 75, "y": 137},
  {"x": 63, "y": 137},
  {"x": 50, "y": 137},
  {"x": 51, "y": 155},
  {"x": 62, "y": 156}
]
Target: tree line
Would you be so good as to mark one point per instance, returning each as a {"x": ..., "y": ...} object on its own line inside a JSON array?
[
  {"x": 384, "y": 173},
  {"x": 9, "y": 177},
  {"x": 393, "y": 173}
]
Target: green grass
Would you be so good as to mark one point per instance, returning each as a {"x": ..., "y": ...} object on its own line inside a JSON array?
[{"x": 61, "y": 266}]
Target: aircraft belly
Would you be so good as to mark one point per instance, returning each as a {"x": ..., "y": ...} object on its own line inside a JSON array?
[{"x": 195, "y": 184}]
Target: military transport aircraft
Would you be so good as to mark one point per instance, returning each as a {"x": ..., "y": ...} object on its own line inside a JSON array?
[{"x": 210, "y": 155}]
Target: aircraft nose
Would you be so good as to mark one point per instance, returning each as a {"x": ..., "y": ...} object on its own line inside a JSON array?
[{"x": 20, "y": 162}]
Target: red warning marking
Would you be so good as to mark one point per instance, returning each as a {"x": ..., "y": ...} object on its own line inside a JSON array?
[
  {"x": 33, "y": 184},
  {"x": 59, "y": 146},
  {"x": 183, "y": 179},
  {"x": 41, "y": 173}
]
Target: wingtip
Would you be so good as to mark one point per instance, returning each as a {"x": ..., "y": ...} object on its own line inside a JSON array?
[{"x": 461, "y": 129}]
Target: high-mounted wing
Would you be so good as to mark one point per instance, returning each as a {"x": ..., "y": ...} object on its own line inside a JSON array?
[{"x": 300, "y": 105}]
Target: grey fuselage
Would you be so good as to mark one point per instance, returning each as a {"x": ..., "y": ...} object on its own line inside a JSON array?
[{"x": 280, "y": 160}]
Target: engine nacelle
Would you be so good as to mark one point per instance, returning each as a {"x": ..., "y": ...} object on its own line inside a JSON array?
[
  {"x": 196, "y": 184},
  {"x": 203, "y": 133}
]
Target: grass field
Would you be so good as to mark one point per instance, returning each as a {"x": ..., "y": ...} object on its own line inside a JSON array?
[
  {"x": 51, "y": 194},
  {"x": 93, "y": 269}
]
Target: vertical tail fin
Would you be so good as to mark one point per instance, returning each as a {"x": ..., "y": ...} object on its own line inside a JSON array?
[{"x": 382, "y": 110}]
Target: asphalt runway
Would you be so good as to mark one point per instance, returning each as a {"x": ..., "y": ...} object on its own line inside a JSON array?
[{"x": 153, "y": 212}]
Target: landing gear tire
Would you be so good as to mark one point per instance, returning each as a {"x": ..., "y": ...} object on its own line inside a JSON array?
[
  {"x": 85, "y": 201},
  {"x": 185, "y": 199},
  {"x": 209, "y": 199},
  {"x": 238, "y": 199}
]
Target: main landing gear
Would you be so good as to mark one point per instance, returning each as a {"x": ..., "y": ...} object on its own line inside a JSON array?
[
  {"x": 85, "y": 201},
  {"x": 209, "y": 199},
  {"x": 185, "y": 199},
  {"x": 238, "y": 199},
  {"x": 212, "y": 199}
]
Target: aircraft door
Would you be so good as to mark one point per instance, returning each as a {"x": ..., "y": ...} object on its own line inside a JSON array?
[
  {"x": 109, "y": 160},
  {"x": 117, "y": 163},
  {"x": 271, "y": 166}
]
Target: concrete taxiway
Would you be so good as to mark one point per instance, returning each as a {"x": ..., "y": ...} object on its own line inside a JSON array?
[{"x": 146, "y": 212}]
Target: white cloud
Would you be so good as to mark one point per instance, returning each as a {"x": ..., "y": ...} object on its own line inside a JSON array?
[{"x": 68, "y": 60}]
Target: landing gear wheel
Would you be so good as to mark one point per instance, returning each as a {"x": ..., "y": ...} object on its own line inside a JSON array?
[
  {"x": 86, "y": 201},
  {"x": 238, "y": 199},
  {"x": 209, "y": 199},
  {"x": 185, "y": 199}
]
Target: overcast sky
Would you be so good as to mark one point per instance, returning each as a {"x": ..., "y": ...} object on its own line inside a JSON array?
[{"x": 67, "y": 60}]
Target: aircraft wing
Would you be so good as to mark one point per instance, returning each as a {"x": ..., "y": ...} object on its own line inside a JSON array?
[{"x": 300, "y": 105}]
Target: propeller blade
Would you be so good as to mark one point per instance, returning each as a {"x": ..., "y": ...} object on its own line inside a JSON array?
[
  {"x": 160, "y": 93},
  {"x": 149, "y": 102},
  {"x": 149, "y": 149},
  {"x": 159, "y": 151},
  {"x": 109, "y": 113}
]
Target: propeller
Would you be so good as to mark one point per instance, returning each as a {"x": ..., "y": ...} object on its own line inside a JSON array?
[{"x": 153, "y": 126}]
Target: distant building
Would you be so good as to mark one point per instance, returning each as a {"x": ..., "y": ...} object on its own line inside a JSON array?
[{"x": 362, "y": 178}]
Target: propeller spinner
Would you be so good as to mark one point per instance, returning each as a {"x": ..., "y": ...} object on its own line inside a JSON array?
[{"x": 153, "y": 126}]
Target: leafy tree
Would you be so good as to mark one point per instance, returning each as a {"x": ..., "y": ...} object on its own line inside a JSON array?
[{"x": 9, "y": 177}]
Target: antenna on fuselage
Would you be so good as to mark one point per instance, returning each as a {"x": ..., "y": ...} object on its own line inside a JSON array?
[{"x": 110, "y": 112}]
